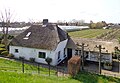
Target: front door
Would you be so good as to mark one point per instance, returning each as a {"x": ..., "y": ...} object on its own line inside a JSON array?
[{"x": 69, "y": 53}]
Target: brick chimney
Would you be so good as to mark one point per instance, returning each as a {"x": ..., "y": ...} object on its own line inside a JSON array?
[{"x": 45, "y": 21}]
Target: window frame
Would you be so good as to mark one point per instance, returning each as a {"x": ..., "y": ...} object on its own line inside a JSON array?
[
  {"x": 59, "y": 54},
  {"x": 16, "y": 51},
  {"x": 42, "y": 55}
]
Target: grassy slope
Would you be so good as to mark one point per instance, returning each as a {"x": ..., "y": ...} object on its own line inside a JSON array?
[
  {"x": 8, "y": 65},
  {"x": 90, "y": 33},
  {"x": 18, "y": 77},
  {"x": 8, "y": 77}
]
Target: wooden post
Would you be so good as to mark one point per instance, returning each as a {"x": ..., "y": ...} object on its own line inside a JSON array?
[
  {"x": 100, "y": 47},
  {"x": 23, "y": 65},
  {"x": 118, "y": 64},
  {"x": 38, "y": 69},
  {"x": 100, "y": 59},
  {"x": 82, "y": 53},
  {"x": 57, "y": 71},
  {"x": 49, "y": 69}
]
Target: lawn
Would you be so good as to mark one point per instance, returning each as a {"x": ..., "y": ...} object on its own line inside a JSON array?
[
  {"x": 19, "y": 77},
  {"x": 89, "y": 33},
  {"x": 16, "y": 66}
]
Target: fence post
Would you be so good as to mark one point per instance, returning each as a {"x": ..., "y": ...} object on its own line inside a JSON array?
[
  {"x": 38, "y": 69},
  {"x": 23, "y": 65},
  {"x": 57, "y": 71},
  {"x": 63, "y": 71},
  {"x": 49, "y": 69}
]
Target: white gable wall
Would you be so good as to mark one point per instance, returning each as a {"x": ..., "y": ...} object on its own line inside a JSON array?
[{"x": 61, "y": 46}]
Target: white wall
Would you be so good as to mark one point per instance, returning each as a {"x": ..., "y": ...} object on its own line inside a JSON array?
[
  {"x": 61, "y": 46},
  {"x": 30, "y": 52},
  {"x": 95, "y": 56}
]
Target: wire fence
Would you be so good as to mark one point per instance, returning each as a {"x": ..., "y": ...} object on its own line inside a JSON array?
[{"x": 35, "y": 68}]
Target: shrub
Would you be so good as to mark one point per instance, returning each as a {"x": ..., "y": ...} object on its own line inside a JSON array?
[
  {"x": 21, "y": 57},
  {"x": 2, "y": 46},
  {"x": 10, "y": 37},
  {"x": 74, "y": 65},
  {"x": 1, "y": 50},
  {"x": 10, "y": 55},
  {"x": 5, "y": 53},
  {"x": 48, "y": 60},
  {"x": 108, "y": 63},
  {"x": 32, "y": 59}
]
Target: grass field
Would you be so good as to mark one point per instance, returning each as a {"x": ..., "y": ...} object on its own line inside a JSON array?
[
  {"x": 89, "y": 33},
  {"x": 15, "y": 66},
  {"x": 18, "y": 77}
]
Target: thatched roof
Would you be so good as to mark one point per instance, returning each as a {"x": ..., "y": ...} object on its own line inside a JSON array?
[
  {"x": 41, "y": 37},
  {"x": 108, "y": 45}
]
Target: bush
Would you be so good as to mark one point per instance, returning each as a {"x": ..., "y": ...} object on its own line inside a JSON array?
[
  {"x": 108, "y": 63},
  {"x": 2, "y": 46},
  {"x": 32, "y": 59},
  {"x": 5, "y": 53},
  {"x": 10, "y": 37},
  {"x": 10, "y": 55},
  {"x": 48, "y": 60},
  {"x": 21, "y": 57}
]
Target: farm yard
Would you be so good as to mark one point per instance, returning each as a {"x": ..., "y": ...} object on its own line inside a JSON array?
[{"x": 10, "y": 72}]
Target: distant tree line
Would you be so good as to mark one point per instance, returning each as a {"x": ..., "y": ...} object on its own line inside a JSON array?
[
  {"x": 17, "y": 24},
  {"x": 97, "y": 25},
  {"x": 73, "y": 22}
]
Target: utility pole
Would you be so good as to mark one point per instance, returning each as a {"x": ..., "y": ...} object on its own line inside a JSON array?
[
  {"x": 100, "y": 48},
  {"x": 82, "y": 53}
]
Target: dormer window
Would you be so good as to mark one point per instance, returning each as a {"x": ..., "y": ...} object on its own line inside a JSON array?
[{"x": 27, "y": 36}]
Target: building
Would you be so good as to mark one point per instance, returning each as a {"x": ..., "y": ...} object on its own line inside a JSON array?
[
  {"x": 42, "y": 41},
  {"x": 91, "y": 52}
]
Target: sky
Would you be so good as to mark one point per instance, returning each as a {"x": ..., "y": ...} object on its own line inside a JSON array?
[{"x": 63, "y": 10}]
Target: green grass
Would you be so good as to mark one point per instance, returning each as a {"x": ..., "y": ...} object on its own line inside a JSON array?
[
  {"x": 16, "y": 66},
  {"x": 8, "y": 77},
  {"x": 19, "y": 77},
  {"x": 89, "y": 33},
  {"x": 85, "y": 77}
]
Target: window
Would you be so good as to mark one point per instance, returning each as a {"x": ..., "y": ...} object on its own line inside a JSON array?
[
  {"x": 27, "y": 36},
  {"x": 76, "y": 52},
  {"x": 87, "y": 54},
  {"x": 16, "y": 51},
  {"x": 42, "y": 55},
  {"x": 59, "y": 55}
]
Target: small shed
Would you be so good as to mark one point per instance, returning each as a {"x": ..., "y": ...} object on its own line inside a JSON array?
[{"x": 74, "y": 65}]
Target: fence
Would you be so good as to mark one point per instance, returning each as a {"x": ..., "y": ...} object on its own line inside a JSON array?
[{"x": 35, "y": 68}]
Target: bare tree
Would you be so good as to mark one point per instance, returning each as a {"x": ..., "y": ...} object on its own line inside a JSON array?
[{"x": 5, "y": 20}]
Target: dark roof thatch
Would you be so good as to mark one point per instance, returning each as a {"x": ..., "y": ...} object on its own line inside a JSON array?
[{"x": 41, "y": 37}]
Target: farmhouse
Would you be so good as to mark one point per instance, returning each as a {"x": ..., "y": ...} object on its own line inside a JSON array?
[{"x": 42, "y": 41}]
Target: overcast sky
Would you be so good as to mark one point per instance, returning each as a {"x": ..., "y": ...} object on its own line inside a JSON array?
[{"x": 36, "y": 10}]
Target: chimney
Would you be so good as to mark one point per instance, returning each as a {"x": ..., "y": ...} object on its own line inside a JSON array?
[{"x": 45, "y": 21}]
